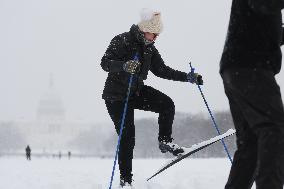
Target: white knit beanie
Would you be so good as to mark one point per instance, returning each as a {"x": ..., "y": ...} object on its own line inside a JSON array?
[{"x": 150, "y": 21}]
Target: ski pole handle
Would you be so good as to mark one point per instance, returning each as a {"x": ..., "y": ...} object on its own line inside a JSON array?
[
  {"x": 136, "y": 58},
  {"x": 132, "y": 66},
  {"x": 191, "y": 68}
]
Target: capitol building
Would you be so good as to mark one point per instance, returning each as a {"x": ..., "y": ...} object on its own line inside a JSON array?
[{"x": 50, "y": 131}]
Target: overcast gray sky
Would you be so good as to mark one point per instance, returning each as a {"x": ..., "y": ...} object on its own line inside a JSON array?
[{"x": 68, "y": 38}]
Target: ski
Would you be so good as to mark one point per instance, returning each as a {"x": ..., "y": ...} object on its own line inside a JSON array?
[{"x": 194, "y": 148}]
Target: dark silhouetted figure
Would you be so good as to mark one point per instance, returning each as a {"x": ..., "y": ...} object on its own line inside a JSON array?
[
  {"x": 250, "y": 61},
  {"x": 69, "y": 155},
  {"x": 28, "y": 152}
]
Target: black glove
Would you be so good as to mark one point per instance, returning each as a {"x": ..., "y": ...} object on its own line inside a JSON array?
[
  {"x": 132, "y": 66},
  {"x": 194, "y": 78}
]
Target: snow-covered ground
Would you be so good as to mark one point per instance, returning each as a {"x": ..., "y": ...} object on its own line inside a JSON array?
[{"x": 93, "y": 173}]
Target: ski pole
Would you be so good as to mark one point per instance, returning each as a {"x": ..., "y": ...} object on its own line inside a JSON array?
[
  {"x": 211, "y": 115},
  {"x": 122, "y": 124}
]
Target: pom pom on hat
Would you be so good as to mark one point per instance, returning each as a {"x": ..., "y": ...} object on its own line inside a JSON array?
[
  {"x": 150, "y": 21},
  {"x": 146, "y": 14}
]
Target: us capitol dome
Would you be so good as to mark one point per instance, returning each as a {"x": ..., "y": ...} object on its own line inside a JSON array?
[{"x": 50, "y": 111}]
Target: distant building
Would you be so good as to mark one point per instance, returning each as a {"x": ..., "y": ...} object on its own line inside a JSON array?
[
  {"x": 50, "y": 130},
  {"x": 51, "y": 112}
]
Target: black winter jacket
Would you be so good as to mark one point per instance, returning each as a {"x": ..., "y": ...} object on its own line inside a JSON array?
[
  {"x": 122, "y": 48},
  {"x": 254, "y": 35}
]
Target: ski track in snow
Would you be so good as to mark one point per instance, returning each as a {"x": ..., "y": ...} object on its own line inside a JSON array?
[{"x": 94, "y": 173}]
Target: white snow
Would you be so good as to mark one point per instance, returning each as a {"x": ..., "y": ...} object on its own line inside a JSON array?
[{"x": 93, "y": 173}]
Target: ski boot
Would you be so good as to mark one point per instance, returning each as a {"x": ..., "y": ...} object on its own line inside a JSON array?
[
  {"x": 166, "y": 145},
  {"x": 125, "y": 184}
]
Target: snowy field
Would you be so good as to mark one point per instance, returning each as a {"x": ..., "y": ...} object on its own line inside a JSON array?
[{"x": 92, "y": 173}]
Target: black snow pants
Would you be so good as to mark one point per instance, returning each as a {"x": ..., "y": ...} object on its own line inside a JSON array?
[
  {"x": 148, "y": 99},
  {"x": 258, "y": 115}
]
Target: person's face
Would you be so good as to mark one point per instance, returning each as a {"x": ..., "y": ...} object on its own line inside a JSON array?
[{"x": 151, "y": 36}]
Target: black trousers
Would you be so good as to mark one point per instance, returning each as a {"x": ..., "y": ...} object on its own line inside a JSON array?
[
  {"x": 149, "y": 99},
  {"x": 258, "y": 115}
]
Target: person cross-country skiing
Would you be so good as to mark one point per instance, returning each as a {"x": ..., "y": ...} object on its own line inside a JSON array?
[{"x": 119, "y": 62}]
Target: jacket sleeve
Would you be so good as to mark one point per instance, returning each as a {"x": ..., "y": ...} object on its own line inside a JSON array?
[
  {"x": 266, "y": 6},
  {"x": 159, "y": 69},
  {"x": 112, "y": 61}
]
